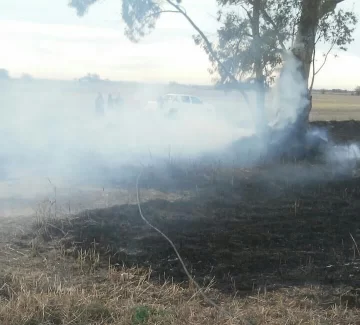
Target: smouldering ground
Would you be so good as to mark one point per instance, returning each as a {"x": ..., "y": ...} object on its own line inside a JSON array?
[
  {"x": 279, "y": 254},
  {"x": 17, "y": 199},
  {"x": 271, "y": 245},
  {"x": 269, "y": 248}
]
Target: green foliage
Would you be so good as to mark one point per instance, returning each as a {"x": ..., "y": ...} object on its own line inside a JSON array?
[
  {"x": 81, "y": 6},
  {"x": 238, "y": 50},
  {"x": 278, "y": 28},
  {"x": 337, "y": 28},
  {"x": 141, "y": 315},
  {"x": 234, "y": 53},
  {"x": 140, "y": 16}
]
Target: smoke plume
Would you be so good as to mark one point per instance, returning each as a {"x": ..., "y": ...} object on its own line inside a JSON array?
[{"x": 51, "y": 129}]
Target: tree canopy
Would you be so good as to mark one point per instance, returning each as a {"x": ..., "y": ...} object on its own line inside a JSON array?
[
  {"x": 236, "y": 51},
  {"x": 278, "y": 26}
]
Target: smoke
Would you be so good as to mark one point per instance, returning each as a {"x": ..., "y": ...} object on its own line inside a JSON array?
[
  {"x": 50, "y": 128},
  {"x": 344, "y": 157},
  {"x": 285, "y": 107},
  {"x": 289, "y": 96}
]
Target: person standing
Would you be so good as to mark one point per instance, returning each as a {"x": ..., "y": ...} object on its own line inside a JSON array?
[
  {"x": 110, "y": 102},
  {"x": 99, "y": 105}
]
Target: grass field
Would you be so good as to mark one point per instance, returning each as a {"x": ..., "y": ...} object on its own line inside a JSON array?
[
  {"x": 335, "y": 107},
  {"x": 71, "y": 96},
  {"x": 336, "y": 101},
  {"x": 274, "y": 244}
]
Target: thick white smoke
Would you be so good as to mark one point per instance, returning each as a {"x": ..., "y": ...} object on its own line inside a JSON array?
[
  {"x": 51, "y": 129},
  {"x": 289, "y": 95}
]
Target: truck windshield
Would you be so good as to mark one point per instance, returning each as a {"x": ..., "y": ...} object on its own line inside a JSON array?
[
  {"x": 185, "y": 99},
  {"x": 196, "y": 100}
]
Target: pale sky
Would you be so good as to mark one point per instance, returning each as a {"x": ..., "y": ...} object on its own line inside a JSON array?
[{"x": 48, "y": 40}]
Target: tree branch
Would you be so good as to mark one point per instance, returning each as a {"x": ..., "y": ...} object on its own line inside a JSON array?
[
  {"x": 322, "y": 65},
  {"x": 276, "y": 29},
  {"x": 328, "y": 6},
  {"x": 247, "y": 13},
  {"x": 313, "y": 60},
  {"x": 325, "y": 58},
  {"x": 209, "y": 47},
  {"x": 318, "y": 39},
  {"x": 165, "y": 11},
  {"x": 248, "y": 34},
  {"x": 314, "y": 74},
  {"x": 162, "y": 12},
  {"x": 272, "y": 23}
]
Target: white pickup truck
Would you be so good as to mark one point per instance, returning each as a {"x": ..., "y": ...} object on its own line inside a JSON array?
[{"x": 174, "y": 104}]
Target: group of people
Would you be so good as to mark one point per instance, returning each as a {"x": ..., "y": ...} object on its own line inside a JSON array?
[{"x": 112, "y": 103}]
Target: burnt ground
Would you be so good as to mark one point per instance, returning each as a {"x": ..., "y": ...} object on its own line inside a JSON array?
[
  {"x": 341, "y": 131},
  {"x": 274, "y": 226}
]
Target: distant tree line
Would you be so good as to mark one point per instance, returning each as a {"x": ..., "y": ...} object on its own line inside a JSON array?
[
  {"x": 92, "y": 77},
  {"x": 4, "y": 74},
  {"x": 27, "y": 77},
  {"x": 357, "y": 91}
]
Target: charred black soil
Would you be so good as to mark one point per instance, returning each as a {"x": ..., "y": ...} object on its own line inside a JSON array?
[
  {"x": 266, "y": 227},
  {"x": 341, "y": 131}
]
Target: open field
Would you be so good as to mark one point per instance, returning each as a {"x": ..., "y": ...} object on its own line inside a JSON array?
[
  {"x": 74, "y": 96},
  {"x": 335, "y": 107},
  {"x": 335, "y": 101},
  {"x": 274, "y": 244}
]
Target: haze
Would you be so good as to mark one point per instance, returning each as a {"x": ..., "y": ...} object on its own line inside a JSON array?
[
  {"x": 49, "y": 129},
  {"x": 60, "y": 45}
]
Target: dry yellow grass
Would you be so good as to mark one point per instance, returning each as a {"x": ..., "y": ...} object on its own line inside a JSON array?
[
  {"x": 126, "y": 297},
  {"x": 336, "y": 101},
  {"x": 34, "y": 297},
  {"x": 45, "y": 285}
]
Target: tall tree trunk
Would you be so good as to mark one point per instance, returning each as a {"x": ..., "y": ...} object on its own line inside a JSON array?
[
  {"x": 311, "y": 13},
  {"x": 303, "y": 50},
  {"x": 258, "y": 66},
  {"x": 305, "y": 38}
]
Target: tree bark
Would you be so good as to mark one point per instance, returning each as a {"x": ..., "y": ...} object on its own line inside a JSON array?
[
  {"x": 311, "y": 13},
  {"x": 305, "y": 39},
  {"x": 303, "y": 50},
  {"x": 258, "y": 66}
]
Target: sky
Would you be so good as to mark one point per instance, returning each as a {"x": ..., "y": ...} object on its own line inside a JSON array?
[{"x": 48, "y": 40}]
